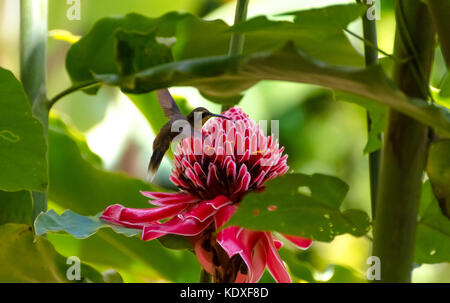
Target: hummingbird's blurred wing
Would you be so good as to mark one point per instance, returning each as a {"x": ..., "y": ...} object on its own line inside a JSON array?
[{"x": 168, "y": 105}]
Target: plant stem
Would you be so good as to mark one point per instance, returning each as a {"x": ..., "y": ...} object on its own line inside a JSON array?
[
  {"x": 404, "y": 151},
  {"x": 205, "y": 277},
  {"x": 371, "y": 58},
  {"x": 72, "y": 89},
  {"x": 33, "y": 61},
  {"x": 237, "y": 39}
]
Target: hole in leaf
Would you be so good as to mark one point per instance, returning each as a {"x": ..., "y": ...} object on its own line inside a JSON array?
[{"x": 304, "y": 190}]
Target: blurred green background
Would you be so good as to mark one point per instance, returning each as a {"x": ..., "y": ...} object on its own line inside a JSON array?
[{"x": 320, "y": 134}]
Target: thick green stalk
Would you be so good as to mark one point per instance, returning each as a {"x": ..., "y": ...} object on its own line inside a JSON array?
[
  {"x": 237, "y": 39},
  {"x": 371, "y": 58},
  {"x": 33, "y": 41},
  {"x": 405, "y": 148}
]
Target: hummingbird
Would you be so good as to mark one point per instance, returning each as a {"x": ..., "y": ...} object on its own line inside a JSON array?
[{"x": 167, "y": 134}]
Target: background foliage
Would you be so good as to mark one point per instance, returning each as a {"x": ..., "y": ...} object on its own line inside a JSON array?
[{"x": 99, "y": 145}]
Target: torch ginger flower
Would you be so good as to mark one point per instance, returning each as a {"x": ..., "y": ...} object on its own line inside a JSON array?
[{"x": 213, "y": 175}]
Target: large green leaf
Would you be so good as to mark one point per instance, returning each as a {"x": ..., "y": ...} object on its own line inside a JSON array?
[
  {"x": 148, "y": 261},
  {"x": 15, "y": 207},
  {"x": 26, "y": 258},
  {"x": 191, "y": 37},
  {"x": 433, "y": 230},
  {"x": 77, "y": 184},
  {"x": 80, "y": 227},
  {"x": 224, "y": 76},
  {"x": 438, "y": 170},
  {"x": 22, "y": 144},
  {"x": 302, "y": 205}
]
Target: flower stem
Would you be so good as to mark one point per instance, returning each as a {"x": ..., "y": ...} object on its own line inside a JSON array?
[
  {"x": 371, "y": 58},
  {"x": 237, "y": 39},
  {"x": 33, "y": 61},
  {"x": 405, "y": 149}
]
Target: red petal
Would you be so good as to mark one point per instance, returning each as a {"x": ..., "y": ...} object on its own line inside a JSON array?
[
  {"x": 224, "y": 214},
  {"x": 278, "y": 243},
  {"x": 258, "y": 262},
  {"x": 228, "y": 239},
  {"x": 179, "y": 199},
  {"x": 130, "y": 216},
  {"x": 274, "y": 263},
  {"x": 206, "y": 209},
  {"x": 188, "y": 227},
  {"x": 158, "y": 195},
  {"x": 298, "y": 241}
]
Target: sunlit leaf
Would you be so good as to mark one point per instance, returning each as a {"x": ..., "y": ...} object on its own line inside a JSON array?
[
  {"x": 302, "y": 205},
  {"x": 80, "y": 227},
  {"x": 433, "y": 230},
  {"x": 26, "y": 258},
  {"x": 22, "y": 144}
]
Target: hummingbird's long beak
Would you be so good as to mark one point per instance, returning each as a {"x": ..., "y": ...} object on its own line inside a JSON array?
[{"x": 220, "y": 116}]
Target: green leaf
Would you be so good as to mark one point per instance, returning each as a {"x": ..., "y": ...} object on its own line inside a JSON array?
[
  {"x": 175, "y": 242},
  {"x": 225, "y": 76},
  {"x": 136, "y": 51},
  {"x": 433, "y": 230},
  {"x": 438, "y": 170},
  {"x": 80, "y": 227},
  {"x": 95, "y": 52},
  {"x": 22, "y": 144},
  {"x": 87, "y": 189},
  {"x": 301, "y": 205},
  {"x": 297, "y": 268},
  {"x": 112, "y": 276},
  {"x": 309, "y": 30},
  {"x": 148, "y": 261},
  {"x": 15, "y": 207},
  {"x": 190, "y": 37},
  {"x": 24, "y": 258}
]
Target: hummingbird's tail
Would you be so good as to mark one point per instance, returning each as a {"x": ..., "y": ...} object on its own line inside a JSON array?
[{"x": 155, "y": 161}]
